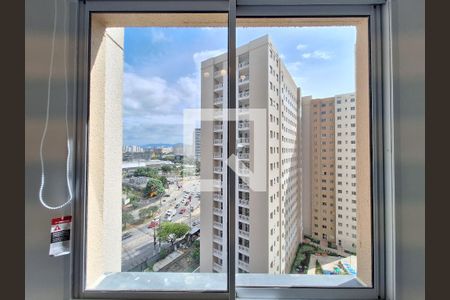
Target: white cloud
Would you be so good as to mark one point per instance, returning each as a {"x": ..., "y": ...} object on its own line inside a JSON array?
[
  {"x": 293, "y": 67},
  {"x": 204, "y": 55},
  {"x": 301, "y": 46},
  {"x": 318, "y": 54},
  {"x": 159, "y": 36}
]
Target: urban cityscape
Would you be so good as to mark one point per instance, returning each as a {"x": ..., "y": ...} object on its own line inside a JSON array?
[{"x": 305, "y": 222}]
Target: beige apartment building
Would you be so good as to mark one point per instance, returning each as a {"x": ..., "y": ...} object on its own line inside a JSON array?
[
  {"x": 268, "y": 227},
  {"x": 329, "y": 158}
]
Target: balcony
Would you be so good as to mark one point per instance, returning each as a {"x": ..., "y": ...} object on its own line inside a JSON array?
[
  {"x": 217, "y": 211},
  {"x": 218, "y": 100},
  {"x": 244, "y": 80},
  {"x": 217, "y": 169},
  {"x": 217, "y": 155},
  {"x": 218, "y": 142},
  {"x": 244, "y": 110},
  {"x": 244, "y": 125},
  {"x": 243, "y": 187},
  {"x": 244, "y": 94},
  {"x": 243, "y": 249},
  {"x": 217, "y": 267},
  {"x": 244, "y": 171},
  {"x": 218, "y": 128},
  {"x": 243, "y": 65},
  {"x": 217, "y": 239},
  {"x": 217, "y": 252},
  {"x": 244, "y": 233},
  {"x": 220, "y": 73},
  {"x": 218, "y": 225},
  {"x": 243, "y": 155},
  {"x": 244, "y": 201},
  {"x": 218, "y": 198},
  {"x": 244, "y": 218},
  {"x": 218, "y": 86},
  {"x": 243, "y": 265},
  {"x": 217, "y": 183},
  {"x": 244, "y": 140},
  {"x": 218, "y": 114}
]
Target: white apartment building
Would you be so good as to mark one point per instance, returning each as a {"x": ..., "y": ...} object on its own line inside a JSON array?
[
  {"x": 329, "y": 166},
  {"x": 268, "y": 226},
  {"x": 346, "y": 197}
]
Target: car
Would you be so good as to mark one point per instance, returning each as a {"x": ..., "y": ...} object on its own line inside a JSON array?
[
  {"x": 182, "y": 211},
  {"x": 126, "y": 235},
  {"x": 177, "y": 205},
  {"x": 166, "y": 195},
  {"x": 192, "y": 209},
  {"x": 187, "y": 203},
  {"x": 153, "y": 224}
]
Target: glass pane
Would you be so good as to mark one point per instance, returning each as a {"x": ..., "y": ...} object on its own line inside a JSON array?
[
  {"x": 146, "y": 204},
  {"x": 307, "y": 221}
]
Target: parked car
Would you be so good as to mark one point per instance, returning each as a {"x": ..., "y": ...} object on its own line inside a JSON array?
[
  {"x": 177, "y": 205},
  {"x": 182, "y": 211},
  {"x": 126, "y": 235}
]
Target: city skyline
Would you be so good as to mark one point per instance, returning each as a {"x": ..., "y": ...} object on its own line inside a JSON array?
[{"x": 156, "y": 91}]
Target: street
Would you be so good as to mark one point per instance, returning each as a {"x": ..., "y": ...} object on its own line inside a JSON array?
[{"x": 139, "y": 246}]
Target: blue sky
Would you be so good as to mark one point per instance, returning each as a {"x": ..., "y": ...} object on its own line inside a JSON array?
[{"x": 162, "y": 71}]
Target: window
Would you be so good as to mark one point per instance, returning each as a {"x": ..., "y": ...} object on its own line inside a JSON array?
[{"x": 210, "y": 90}]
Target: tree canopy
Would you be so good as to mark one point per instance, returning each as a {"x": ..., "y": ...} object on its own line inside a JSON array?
[
  {"x": 170, "y": 232},
  {"x": 154, "y": 187}
]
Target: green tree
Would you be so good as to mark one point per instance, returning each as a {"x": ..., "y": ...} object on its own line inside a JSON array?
[
  {"x": 163, "y": 180},
  {"x": 170, "y": 232},
  {"x": 154, "y": 187},
  {"x": 166, "y": 169},
  {"x": 127, "y": 218},
  {"x": 147, "y": 172},
  {"x": 196, "y": 252},
  {"x": 148, "y": 212}
]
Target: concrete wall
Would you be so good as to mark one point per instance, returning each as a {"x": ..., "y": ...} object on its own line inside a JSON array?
[{"x": 49, "y": 278}]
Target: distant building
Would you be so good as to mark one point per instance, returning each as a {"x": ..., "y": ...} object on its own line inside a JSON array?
[{"x": 197, "y": 144}]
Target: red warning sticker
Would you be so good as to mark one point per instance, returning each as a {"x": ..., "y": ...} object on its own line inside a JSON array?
[{"x": 60, "y": 236}]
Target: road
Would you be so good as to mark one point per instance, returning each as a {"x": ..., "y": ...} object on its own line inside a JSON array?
[{"x": 139, "y": 246}]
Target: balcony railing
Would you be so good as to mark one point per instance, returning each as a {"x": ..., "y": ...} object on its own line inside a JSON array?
[
  {"x": 218, "y": 198},
  {"x": 218, "y": 141},
  {"x": 243, "y": 140},
  {"x": 243, "y": 187},
  {"x": 243, "y": 64},
  {"x": 218, "y": 86},
  {"x": 244, "y": 94},
  {"x": 217, "y": 183},
  {"x": 219, "y": 73},
  {"x": 243, "y": 264},
  {"x": 244, "y": 201},
  {"x": 217, "y": 239},
  {"x": 244, "y": 80},
  {"x": 244, "y": 233},
  {"x": 218, "y": 169},
  {"x": 217, "y": 252},
  {"x": 243, "y": 155},
  {"x": 218, "y": 113},
  {"x": 218, "y": 224},
  {"x": 217, "y": 155},
  {"x": 244, "y": 110},
  {"x": 218, "y": 100},
  {"x": 244, "y": 218},
  {"x": 244, "y": 171},
  {"x": 218, "y": 127},
  {"x": 217, "y": 267},
  {"x": 243, "y": 249},
  {"x": 244, "y": 125},
  {"x": 217, "y": 210}
]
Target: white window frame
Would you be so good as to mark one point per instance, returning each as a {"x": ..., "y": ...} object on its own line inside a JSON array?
[{"x": 381, "y": 132}]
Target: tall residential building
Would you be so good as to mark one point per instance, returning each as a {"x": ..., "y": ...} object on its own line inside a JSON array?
[
  {"x": 346, "y": 222},
  {"x": 329, "y": 157},
  {"x": 196, "y": 141},
  {"x": 268, "y": 227}
]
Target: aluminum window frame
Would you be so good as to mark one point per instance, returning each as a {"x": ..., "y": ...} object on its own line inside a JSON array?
[{"x": 380, "y": 127}]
